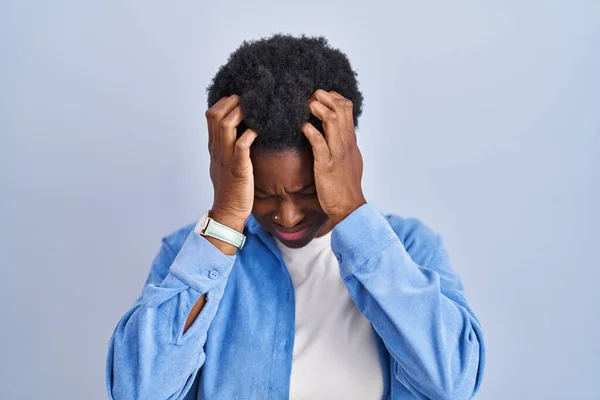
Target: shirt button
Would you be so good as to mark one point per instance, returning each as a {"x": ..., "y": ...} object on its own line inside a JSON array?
[
  {"x": 339, "y": 257},
  {"x": 213, "y": 274}
]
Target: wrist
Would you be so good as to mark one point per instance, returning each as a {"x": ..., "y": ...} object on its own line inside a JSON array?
[
  {"x": 340, "y": 215},
  {"x": 227, "y": 219}
]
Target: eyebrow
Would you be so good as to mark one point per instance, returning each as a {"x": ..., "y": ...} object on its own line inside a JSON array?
[{"x": 295, "y": 192}]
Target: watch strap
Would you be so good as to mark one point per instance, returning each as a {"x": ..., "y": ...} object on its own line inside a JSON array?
[{"x": 214, "y": 229}]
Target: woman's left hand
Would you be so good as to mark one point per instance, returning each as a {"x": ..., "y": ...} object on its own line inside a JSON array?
[{"x": 338, "y": 163}]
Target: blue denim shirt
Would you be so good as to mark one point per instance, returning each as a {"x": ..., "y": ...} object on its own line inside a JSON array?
[{"x": 240, "y": 346}]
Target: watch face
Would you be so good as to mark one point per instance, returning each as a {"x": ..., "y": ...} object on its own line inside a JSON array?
[{"x": 201, "y": 224}]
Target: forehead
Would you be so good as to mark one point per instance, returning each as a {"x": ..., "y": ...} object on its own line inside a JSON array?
[{"x": 290, "y": 169}]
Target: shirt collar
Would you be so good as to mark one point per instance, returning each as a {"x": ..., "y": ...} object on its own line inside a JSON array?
[{"x": 252, "y": 225}]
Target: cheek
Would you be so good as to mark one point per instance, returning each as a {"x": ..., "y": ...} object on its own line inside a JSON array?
[
  {"x": 262, "y": 208},
  {"x": 312, "y": 204},
  {"x": 309, "y": 205},
  {"x": 312, "y": 209}
]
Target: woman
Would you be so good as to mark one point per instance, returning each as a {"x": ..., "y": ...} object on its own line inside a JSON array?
[{"x": 292, "y": 285}]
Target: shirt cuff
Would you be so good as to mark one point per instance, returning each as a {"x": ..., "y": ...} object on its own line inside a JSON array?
[
  {"x": 201, "y": 265},
  {"x": 359, "y": 237}
]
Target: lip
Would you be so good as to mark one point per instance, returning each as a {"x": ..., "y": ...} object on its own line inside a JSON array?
[{"x": 291, "y": 236}]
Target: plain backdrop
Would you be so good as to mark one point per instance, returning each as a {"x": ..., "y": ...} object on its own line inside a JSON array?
[{"x": 480, "y": 118}]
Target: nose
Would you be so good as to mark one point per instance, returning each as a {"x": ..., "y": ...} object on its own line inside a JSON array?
[{"x": 288, "y": 213}]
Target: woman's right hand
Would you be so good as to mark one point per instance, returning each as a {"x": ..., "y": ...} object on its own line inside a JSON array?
[{"x": 230, "y": 166}]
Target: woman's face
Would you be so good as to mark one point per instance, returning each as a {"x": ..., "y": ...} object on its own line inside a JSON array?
[{"x": 285, "y": 197}]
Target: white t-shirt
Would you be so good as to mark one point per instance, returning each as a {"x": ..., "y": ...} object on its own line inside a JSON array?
[{"x": 335, "y": 354}]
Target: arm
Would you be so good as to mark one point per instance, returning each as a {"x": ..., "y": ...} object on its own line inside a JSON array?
[
  {"x": 158, "y": 346},
  {"x": 149, "y": 354},
  {"x": 226, "y": 249},
  {"x": 419, "y": 311}
]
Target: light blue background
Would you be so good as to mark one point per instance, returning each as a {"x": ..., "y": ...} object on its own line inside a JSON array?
[{"x": 480, "y": 118}]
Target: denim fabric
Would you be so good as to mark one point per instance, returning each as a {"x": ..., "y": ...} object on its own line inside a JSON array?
[{"x": 240, "y": 346}]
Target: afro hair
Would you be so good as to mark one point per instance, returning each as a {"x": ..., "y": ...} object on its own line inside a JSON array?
[{"x": 274, "y": 78}]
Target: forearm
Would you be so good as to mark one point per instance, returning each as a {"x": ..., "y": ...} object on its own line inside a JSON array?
[
  {"x": 419, "y": 312},
  {"x": 224, "y": 248},
  {"x": 433, "y": 339},
  {"x": 146, "y": 359},
  {"x": 157, "y": 347}
]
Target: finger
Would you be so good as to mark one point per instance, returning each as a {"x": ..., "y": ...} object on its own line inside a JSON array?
[
  {"x": 215, "y": 114},
  {"x": 336, "y": 102},
  {"x": 228, "y": 131},
  {"x": 242, "y": 147},
  {"x": 330, "y": 122},
  {"x": 347, "y": 125},
  {"x": 317, "y": 142},
  {"x": 328, "y": 99},
  {"x": 209, "y": 114},
  {"x": 210, "y": 136},
  {"x": 341, "y": 104},
  {"x": 336, "y": 94}
]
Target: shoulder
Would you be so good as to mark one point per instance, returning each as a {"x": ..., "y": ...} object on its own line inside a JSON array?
[{"x": 419, "y": 240}]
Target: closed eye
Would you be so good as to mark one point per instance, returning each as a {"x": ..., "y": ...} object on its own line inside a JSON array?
[
  {"x": 313, "y": 194},
  {"x": 262, "y": 197}
]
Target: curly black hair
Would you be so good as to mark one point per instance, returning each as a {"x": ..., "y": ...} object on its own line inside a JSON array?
[{"x": 274, "y": 78}]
